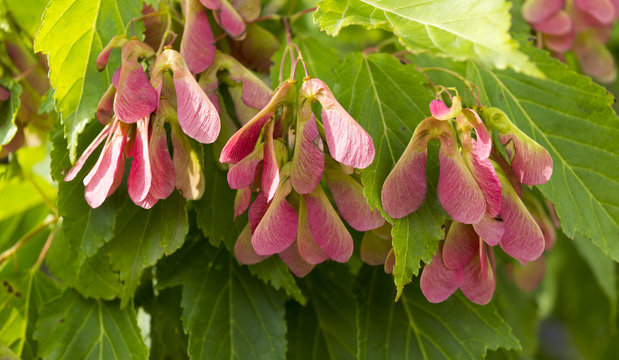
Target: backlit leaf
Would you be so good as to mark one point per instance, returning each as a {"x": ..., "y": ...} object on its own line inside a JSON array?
[{"x": 72, "y": 34}]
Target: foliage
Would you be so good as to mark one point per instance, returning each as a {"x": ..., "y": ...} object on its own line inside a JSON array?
[{"x": 183, "y": 275}]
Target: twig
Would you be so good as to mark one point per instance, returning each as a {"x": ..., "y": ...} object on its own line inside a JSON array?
[
  {"x": 10, "y": 251},
  {"x": 44, "y": 250}
]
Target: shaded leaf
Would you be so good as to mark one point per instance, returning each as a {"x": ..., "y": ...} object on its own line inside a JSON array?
[
  {"x": 94, "y": 277},
  {"x": 141, "y": 237},
  {"x": 168, "y": 340},
  {"x": 273, "y": 271},
  {"x": 325, "y": 328},
  {"x": 230, "y": 314},
  {"x": 72, "y": 327},
  {"x": 413, "y": 328}
]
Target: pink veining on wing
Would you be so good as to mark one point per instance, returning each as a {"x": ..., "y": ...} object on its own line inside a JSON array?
[
  {"x": 483, "y": 141},
  {"x": 241, "y": 201},
  {"x": 243, "y": 173},
  {"x": 162, "y": 167},
  {"x": 243, "y": 249},
  {"x": 257, "y": 209},
  {"x": 140, "y": 176},
  {"x": 440, "y": 111},
  {"x": 531, "y": 162},
  {"x": 327, "y": 228},
  {"x": 198, "y": 42},
  {"x": 558, "y": 24},
  {"x": 437, "y": 282},
  {"x": 458, "y": 192},
  {"x": 118, "y": 178},
  {"x": 308, "y": 158},
  {"x": 270, "y": 168},
  {"x": 490, "y": 229},
  {"x": 478, "y": 285},
  {"x": 278, "y": 227},
  {"x": 461, "y": 245},
  {"x": 231, "y": 21},
  {"x": 197, "y": 116},
  {"x": 307, "y": 246},
  {"x": 405, "y": 188},
  {"x": 86, "y": 154},
  {"x": 560, "y": 43},
  {"x": 105, "y": 108},
  {"x": 523, "y": 239},
  {"x": 135, "y": 97},
  {"x": 351, "y": 203},
  {"x": 602, "y": 10},
  {"x": 255, "y": 92},
  {"x": 535, "y": 11},
  {"x": 295, "y": 262},
  {"x": 486, "y": 177},
  {"x": 348, "y": 142},
  {"x": 101, "y": 177},
  {"x": 148, "y": 202},
  {"x": 243, "y": 142}
]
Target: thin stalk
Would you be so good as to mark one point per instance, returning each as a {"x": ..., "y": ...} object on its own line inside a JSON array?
[{"x": 24, "y": 239}]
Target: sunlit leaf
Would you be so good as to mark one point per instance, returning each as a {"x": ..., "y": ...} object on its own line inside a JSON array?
[
  {"x": 439, "y": 26},
  {"x": 72, "y": 34}
]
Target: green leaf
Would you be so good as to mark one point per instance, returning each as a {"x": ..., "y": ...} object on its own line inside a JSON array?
[
  {"x": 230, "y": 314},
  {"x": 325, "y": 328},
  {"x": 8, "y": 111},
  {"x": 438, "y": 26},
  {"x": 321, "y": 60},
  {"x": 413, "y": 328},
  {"x": 389, "y": 99},
  {"x": 22, "y": 295},
  {"x": 334, "y": 15},
  {"x": 571, "y": 117},
  {"x": 94, "y": 277},
  {"x": 72, "y": 327},
  {"x": 141, "y": 237},
  {"x": 604, "y": 269},
  {"x": 215, "y": 210},
  {"x": 168, "y": 341},
  {"x": 273, "y": 271},
  {"x": 72, "y": 34},
  {"x": 23, "y": 289},
  {"x": 581, "y": 306},
  {"x": 6, "y": 353},
  {"x": 519, "y": 310},
  {"x": 25, "y": 11}
]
